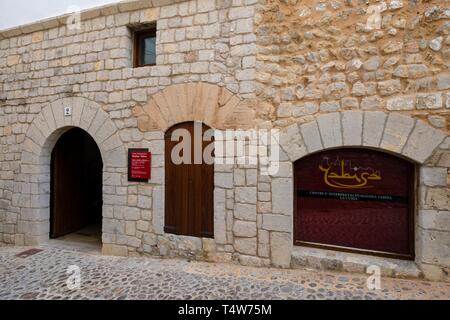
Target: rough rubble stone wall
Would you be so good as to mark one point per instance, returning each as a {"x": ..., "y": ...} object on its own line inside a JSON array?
[{"x": 320, "y": 67}]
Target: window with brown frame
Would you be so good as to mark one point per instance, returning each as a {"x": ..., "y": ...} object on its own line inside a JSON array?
[{"x": 145, "y": 47}]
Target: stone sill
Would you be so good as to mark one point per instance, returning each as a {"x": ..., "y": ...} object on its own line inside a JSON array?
[{"x": 303, "y": 257}]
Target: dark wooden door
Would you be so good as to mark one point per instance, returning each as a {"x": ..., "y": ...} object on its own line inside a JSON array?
[
  {"x": 189, "y": 189},
  {"x": 76, "y": 183},
  {"x": 355, "y": 200}
]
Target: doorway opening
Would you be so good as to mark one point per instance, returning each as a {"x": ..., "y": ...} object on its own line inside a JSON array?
[{"x": 76, "y": 189}]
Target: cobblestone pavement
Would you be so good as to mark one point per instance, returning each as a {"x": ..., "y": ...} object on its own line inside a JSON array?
[{"x": 43, "y": 276}]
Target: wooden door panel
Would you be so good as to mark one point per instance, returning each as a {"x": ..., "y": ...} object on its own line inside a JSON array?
[
  {"x": 66, "y": 186},
  {"x": 189, "y": 192}
]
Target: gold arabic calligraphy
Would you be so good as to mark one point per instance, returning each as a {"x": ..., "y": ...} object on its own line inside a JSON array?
[{"x": 345, "y": 180}]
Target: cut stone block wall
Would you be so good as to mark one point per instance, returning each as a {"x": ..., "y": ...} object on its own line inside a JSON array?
[{"x": 205, "y": 71}]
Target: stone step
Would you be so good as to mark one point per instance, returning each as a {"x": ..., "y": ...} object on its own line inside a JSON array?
[{"x": 321, "y": 259}]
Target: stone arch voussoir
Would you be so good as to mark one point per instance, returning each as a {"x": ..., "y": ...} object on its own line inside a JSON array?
[
  {"x": 394, "y": 133},
  {"x": 213, "y": 105}
]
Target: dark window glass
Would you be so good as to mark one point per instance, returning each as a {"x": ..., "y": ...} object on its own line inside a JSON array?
[
  {"x": 145, "y": 48},
  {"x": 148, "y": 50}
]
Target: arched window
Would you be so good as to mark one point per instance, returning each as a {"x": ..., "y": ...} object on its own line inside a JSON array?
[
  {"x": 189, "y": 186},
  {"x": 355, "y": 200}
]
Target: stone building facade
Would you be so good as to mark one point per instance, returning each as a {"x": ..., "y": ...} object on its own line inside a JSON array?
[{"x": 313, "y": 69}]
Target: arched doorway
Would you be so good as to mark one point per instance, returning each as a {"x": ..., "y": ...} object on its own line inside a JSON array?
[
  {"x": 189, "y": 195},
  {"x": 76, "y": 186},
  {"x": 358, "y": 200}
]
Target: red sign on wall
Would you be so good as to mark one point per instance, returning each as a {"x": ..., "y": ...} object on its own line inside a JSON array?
[{"x": 139, "y": 165}]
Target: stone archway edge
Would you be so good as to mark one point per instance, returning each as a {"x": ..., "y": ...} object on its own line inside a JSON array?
[
  {"x": 34, "y": 178},
  {"x": 394, "y": 132},
  {"x": 87, "y": 115}
]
